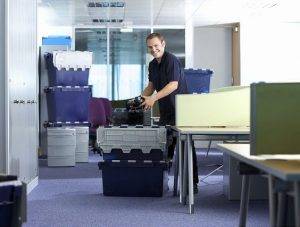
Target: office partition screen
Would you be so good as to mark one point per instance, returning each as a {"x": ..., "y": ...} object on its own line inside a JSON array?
[{"x": 275, "y": 123}]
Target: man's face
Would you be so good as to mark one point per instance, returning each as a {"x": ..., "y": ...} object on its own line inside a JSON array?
[{"x": 156, "y": 47}]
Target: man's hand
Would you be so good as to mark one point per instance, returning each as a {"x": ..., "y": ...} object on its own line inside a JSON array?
[{"x": 148, "y": 102}]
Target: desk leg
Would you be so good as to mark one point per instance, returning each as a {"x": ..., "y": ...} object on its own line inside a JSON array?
[
  {"x": 281, "y": 208},
  {"x": 272, "y": 201},
  {"x": 297, "y": 203},
  {"x": 184, "y": 175},
  {"x": 176, "y": 166},
  {"x": 180, "y": 154},
  {"x": 244, "y": 200},
  {"x": 190, "y": 173}
]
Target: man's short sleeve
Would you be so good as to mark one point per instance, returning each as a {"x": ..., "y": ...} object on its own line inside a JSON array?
[{"x": 173, "y": 69}]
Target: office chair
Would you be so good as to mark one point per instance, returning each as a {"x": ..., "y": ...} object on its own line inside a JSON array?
[
  {"x": 107, "y": 109},
  {"x": 97, "y": 117}
]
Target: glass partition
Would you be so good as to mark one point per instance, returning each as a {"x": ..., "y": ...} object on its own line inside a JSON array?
[{"x": 95, "y": 40}]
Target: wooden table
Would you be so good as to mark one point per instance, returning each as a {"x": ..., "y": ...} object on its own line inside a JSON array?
[
  {"x": 185, "y": 137},
  {"x": 283, "y": 167}
]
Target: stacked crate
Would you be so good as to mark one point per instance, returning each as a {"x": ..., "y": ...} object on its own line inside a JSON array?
[
  {"x": 134, "y": 160},
  {"x": 68, "y": 98},
  {"x": 198, "y": 80}
]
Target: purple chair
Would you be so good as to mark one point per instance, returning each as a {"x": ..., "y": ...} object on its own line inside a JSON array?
[
  {"x": 107, "y": 109},
  {"x": 97, "y": 117}
]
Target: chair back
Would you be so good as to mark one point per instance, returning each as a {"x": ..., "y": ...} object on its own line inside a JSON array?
[
  {"x": 107, "y": 109},
  {"x": 97, "y": 115}
]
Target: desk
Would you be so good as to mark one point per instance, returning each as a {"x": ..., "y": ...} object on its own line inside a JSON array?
[
  {"x": 185, "y": 137},
  {"x": 283, "y": 167}
]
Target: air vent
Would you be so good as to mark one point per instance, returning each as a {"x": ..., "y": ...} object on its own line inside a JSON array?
[
  {"x": 106, "y": 4},
  {"x": 107, "y": 20}
]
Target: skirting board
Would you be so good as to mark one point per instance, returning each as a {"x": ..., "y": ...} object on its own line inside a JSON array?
[{"x": 32, "y": 184}]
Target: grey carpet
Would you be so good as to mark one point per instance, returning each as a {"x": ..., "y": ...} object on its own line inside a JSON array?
[{"x": 63, "y": 198}]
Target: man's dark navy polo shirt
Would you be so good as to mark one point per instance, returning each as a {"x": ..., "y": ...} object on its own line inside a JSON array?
[{"x": 160, "y": 74}]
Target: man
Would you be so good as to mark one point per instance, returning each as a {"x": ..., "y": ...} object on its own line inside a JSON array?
[{"x": 167, "y": 78}]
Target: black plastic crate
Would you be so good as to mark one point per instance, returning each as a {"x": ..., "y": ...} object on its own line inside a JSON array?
[
  {"x": 134, "y": 179},
  {"x": 135, "y": 154},
  {"x": 122, "y": 116},
  {"x": 11, "y": 198}
]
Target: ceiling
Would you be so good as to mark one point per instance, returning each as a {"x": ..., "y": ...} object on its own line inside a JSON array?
[{"x": 163, "y": 12}]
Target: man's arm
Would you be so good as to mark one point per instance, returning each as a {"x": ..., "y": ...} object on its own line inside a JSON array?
[
  {"x": 150, "y": 100},
  {"x": 148, "y": 91}
]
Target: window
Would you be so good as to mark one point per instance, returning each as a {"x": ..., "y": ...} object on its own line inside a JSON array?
[{"x": 125, "y": 73}]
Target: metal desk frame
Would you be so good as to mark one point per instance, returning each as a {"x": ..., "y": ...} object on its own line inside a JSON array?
[
  {"x": 186, "y": 136},
  {"x": 273, "y": 173}
]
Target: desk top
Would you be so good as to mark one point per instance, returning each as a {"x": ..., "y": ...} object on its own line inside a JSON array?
[
  {"x": 212, "y": 130},
  {"x": 285, "y": 167}
]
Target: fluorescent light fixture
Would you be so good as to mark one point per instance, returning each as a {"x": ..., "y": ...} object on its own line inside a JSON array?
[{"x": 126, "y": 29}]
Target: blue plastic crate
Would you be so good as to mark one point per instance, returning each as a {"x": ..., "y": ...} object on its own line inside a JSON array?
[
  {"x": 68, "y": 104},
  {"x": 198, "y": 80},
  {"x": 57, "y": 40},
  {"x": 65, "y": 77},
  {"x": 134, "y": 179}
]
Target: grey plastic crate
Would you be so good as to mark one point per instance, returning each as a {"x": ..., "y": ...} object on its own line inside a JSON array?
[
  {"x": 61, "y": 144},
  {"x": 61, "y": 136},
  {"x": 82, "y": 144},
  {"x": 145, "y": 139}
]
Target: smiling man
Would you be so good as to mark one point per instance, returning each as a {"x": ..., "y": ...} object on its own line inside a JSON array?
[{"x": 166, "y": 76}]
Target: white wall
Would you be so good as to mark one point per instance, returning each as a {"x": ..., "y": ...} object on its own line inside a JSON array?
[
  {"x": 2, "y": 86},
  {"x": 213, "y": 50},
  {"x": 270, "y": 52},
  {"x": 21, "y": 90}
]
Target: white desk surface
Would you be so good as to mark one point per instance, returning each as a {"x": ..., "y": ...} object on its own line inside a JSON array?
[
  {"x": 285, "y": 167},
  {"x": 212, "y": 130}
]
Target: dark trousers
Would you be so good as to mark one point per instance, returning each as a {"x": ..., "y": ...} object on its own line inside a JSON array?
[{"x": 171, "y": 149}]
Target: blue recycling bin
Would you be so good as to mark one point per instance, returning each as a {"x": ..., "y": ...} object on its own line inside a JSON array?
[
  {"x": 68, "y": 104},
  {"x": 64, "y": 77},
  {"x": 198, "y": 80},
  {"x": 57, "y": 40}
]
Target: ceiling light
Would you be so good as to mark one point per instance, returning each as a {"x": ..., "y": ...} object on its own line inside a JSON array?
[{"x": 126, "y": 29}]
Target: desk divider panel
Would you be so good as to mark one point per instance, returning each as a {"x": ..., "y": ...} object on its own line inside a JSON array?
[
  {"x": 227, "y": 107},
  {"x": 275, "y": 118}
]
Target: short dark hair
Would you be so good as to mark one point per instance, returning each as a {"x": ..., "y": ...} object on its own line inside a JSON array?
[{"x": 155, "y": 35}]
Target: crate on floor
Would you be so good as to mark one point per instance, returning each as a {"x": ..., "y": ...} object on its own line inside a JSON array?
[
  {"x": 134, "y": 154},
  {"x": 82, "y": 144},
  {"x": 145, "y": 139},
  {"x": 68, "y": 104},
  {"x": 133, "y": 178},
  {"x": 61, "y": 144}
]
